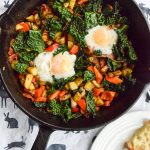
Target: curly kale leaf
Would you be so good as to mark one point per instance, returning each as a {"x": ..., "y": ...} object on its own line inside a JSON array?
[
  {"x": 53, "y": 26},
  {"x": 77, "y": 30},
  {"x": 60, "y": 49},
  {"x": 124, "y": 49},
  {"x": 62, "y": 11},
  {"x": 113, "y": 65},
  {"x": 21, "y": 67},
  {"x": 112, "y": 16},
  {"x": 101, "y": 19},
  {"x": 26, "y": 57},
  {"x": 55, "y": 107},
  {"x": 19, "y": 42},
  {"x": 88, "y": 75},
  {"x": 35, "y": 41},
  {"x": 93, "y": 5},
  {"x": 91, "y": 108},
  {"x": 66, "y": 113},
  {"x": 61, "y": 109},
  {"x": 81, "y": 63},
  {"x": 90, "y": 20}
]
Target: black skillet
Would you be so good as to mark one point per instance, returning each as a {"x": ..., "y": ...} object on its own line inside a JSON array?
[{"x": 139, "y": 34}]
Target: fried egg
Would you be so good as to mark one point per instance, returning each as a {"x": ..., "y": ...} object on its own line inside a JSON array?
[
  {"x": 59, "y": 66},
  {"x": 101, "y": 38}
]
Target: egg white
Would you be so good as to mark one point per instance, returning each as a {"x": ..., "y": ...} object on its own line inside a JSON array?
[
  {"x": 110, "y": 36},
  {"x": 59, "y": 66},
  {"x": 43, "y": 65}
]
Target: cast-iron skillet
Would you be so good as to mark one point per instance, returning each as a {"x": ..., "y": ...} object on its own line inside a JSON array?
[{"x": 139, "y": 34}]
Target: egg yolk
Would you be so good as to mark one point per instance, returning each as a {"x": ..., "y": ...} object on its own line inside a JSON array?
[
  {"x": 101, "y": 37},
  {"x": 60, "y": 65}
]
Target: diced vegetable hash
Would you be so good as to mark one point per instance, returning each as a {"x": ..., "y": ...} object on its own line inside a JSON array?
[{"x": 58, "y": 27}]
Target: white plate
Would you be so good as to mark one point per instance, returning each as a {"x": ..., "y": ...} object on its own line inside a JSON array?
[{"x": 115, "y": 134}]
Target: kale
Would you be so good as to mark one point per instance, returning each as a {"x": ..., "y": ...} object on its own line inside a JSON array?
[
  {"x": 101, "y": 19},
  {"x": 53, "y": 26},
  {"x": 77, "y": 30},
  {"x": 26, "y": 57},
  {"x": 30, "y": 41},
  {"x": 66, "y": 113},
  {"x": 118, "y": 53},
  {"x": 88, "y": 75},
  {"x": 35, "y": 41},
  {"x": 132, "y": 54},
  {"x": 124, "y": 49},
  {"x": 18, "y": 44},
  {"x": 55, "y": 107},
  {"x": 60, "y": 49},
  {"x": 113, "y": 87},
  {"x": 98, "y": 52},
  {"x": 81, "y": 63},
  {"x": 93, "y": 5},
  {"x": 123, "y": 28},
  {"x": 61, "y": 109},
  {"x": 113, "y": 16},
  {"x": 21, "y": 67},
  {"x": 40, "y": 104},
  {"x": 62, "y": 11},
  {"x": 90, "y": 19},
  {"x": 91, "y": 108},
  {"x": 113, "y": 65},
  {"x": 52, "y": 89}
]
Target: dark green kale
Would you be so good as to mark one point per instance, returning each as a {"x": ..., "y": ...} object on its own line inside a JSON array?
[
  {"x": 18, "y": 44},
  {"x": 91, "y": 108},
  {"x": 62, "y": 11},
  {"x": 53, "y": 26},
  {"x": 55, "y": 107},
  {"x": 77, "y": 30},
  {"x": 113, "y": 16},
  {"x": 40, "y": 104},
  {"x": 132, "y": 54},
  {"x": 113, "y": 65},
  {"x": 124, "y": 49},
  {"x": 21, "y": 67},
  {"x": 101, "y": 19},
  {"x": 93, "y": 6},
  {"x": 81, "y": 63},
  {"x": 26, "y": 57},
  {"x": 61, "y": 109},
  {"x": 35, "y": 41},
  {"x": 113, "y": 87},
  {"x": 66, "y": 113},
  {"x": 88, "y": 75},
  {"x": 60, "y": 49},
  {"x": 98, "y": 52},
  {"x": 90, "y": 20}
]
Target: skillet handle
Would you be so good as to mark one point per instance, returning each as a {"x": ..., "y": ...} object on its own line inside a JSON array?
[{"x": 42, "y": 138}]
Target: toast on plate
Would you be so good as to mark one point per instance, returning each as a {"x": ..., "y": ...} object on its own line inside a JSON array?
[{"x": 140, "y": 139}]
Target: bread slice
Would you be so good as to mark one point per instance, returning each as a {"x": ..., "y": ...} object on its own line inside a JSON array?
[{"x": 141, "y": 138}]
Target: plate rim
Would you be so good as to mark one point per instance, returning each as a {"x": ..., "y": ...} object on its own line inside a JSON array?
[{"x": 128, "y": 114}]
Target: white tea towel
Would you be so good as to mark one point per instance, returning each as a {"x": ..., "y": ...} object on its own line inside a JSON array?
[{"x": 18, "y": 132}]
